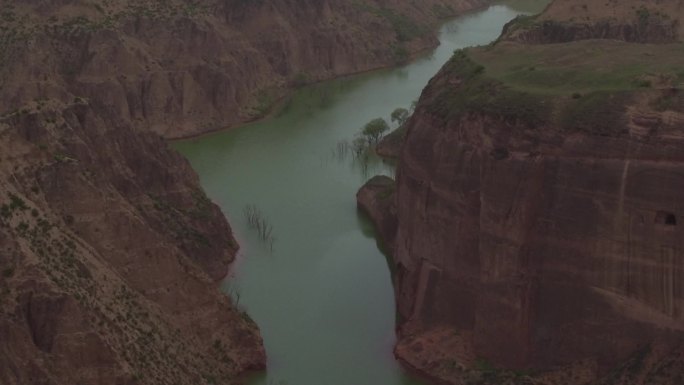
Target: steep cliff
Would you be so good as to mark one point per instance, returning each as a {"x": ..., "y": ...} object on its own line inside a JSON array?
[
  {"x": 641, "y": 21},
  {"x": 109, "y": 252},
  {"x": 539, "y": 219},
  {"x": 185, "y": 68}
]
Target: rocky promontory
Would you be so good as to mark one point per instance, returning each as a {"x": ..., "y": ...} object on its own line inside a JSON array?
[{"x": 539, "y": 223}]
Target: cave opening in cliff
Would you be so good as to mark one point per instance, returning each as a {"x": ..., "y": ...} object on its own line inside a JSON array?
[
  {"x": 665, "y": 218},
  {"x": 671, "y": 220}
]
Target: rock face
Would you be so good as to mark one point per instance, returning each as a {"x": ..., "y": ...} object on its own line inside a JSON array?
[
  {"x": 641, "y": 21},
  {"x": 184, "y": 69},
  {"x": 533, "y": 234},
  {"x": 375, "y": 199},
  {"x": 545, "y": 32},
  {"x": 562, "y": 249},
  {"x": 109, "y": 254}
]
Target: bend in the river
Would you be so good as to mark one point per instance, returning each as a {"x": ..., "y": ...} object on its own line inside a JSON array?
[{"x": 322, "y": 296}]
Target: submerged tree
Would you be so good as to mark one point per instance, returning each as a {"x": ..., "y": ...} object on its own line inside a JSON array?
[
  {"x": 400, "y": 116},
  {"x": 374, "y": 129},
  {"x": 359, "y": 146},
  {"x": 257, "y": 221}
]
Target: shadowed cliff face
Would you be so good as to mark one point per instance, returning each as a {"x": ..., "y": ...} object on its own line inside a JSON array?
[
  {"x": 109, "y": 252},
  {"x": 539, "y": 221},
  {"x": 183, "y": 69}
]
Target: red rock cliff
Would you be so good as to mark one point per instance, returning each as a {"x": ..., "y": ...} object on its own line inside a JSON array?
[{"x": 539, "y": 224}]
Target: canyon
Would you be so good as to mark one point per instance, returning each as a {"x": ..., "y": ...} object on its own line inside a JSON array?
[
  {"x": 110, "y": 250},
  {"x": 535, "y": 226},
  {"x": 534, "y": 229},
  {"x": 321, "y": 293}
]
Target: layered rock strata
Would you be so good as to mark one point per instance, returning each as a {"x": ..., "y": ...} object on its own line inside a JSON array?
[{"x": 539, "y": 235}]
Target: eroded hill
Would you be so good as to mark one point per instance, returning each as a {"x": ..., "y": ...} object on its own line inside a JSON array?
[{"x": 184, "y": 68}]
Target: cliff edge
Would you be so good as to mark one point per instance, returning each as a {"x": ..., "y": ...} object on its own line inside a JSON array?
[{"x": 539, "y": 223}]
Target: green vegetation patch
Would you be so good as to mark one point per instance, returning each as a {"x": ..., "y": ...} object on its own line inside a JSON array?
[
  {"x": 404, "y": 28},
  {"x": 582, "y": 86},
  {"x": 471, "y": 92},
  {"x": 264, "y": 102},
  {"x": 583, "y": 66}
]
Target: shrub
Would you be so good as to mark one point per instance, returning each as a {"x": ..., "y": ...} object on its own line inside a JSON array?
[
  {"x": 374, "y": 129},
  {"x": 400, "y": 116}
]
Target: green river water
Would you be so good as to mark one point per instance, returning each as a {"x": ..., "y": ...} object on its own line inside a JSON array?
[{"x": 323, "y": 295}]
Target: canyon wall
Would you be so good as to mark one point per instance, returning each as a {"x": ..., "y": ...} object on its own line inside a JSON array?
[
  {"x": 109, "y": 254},
  {"x": 640, "y": 21},
  {"x": 183, "y": 69},
  {"x": 539, "y": 224}
]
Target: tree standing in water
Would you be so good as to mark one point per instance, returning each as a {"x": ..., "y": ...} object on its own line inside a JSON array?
[
  {"x": 374, "y": 130},
  {"x": 400, "y": 116}
]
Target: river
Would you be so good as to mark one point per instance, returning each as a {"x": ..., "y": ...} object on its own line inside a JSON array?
[{"x": 321, "y": 292}]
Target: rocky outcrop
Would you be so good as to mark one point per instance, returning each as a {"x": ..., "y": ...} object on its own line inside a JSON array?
[
  {"x": 539, "y": 236},
  {"x": 390, "y": 145},
  {"x": 376, "y": 199}
]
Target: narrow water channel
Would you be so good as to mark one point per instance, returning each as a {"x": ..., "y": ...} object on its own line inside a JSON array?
[{"x": 322, "y": 296}]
